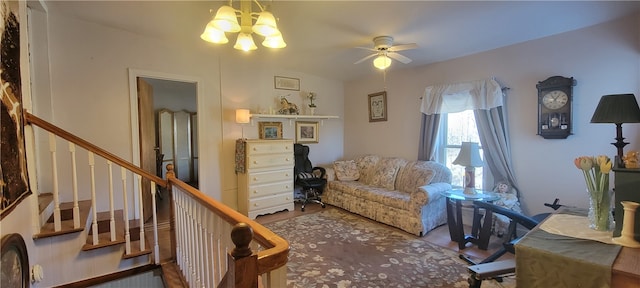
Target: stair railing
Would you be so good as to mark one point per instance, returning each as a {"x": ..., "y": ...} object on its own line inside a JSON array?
[{"x": 202, "y": 245}]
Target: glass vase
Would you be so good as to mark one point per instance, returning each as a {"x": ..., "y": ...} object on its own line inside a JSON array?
[{"x": 600, "y": 217}]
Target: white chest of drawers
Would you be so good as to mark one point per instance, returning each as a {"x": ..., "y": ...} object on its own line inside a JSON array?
[{"x": 267, "y": 184}]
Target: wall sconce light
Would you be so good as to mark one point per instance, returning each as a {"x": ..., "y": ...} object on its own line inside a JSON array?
[
  {"x": 243, "y": 116},
  {"x": 469, "y": 157}
]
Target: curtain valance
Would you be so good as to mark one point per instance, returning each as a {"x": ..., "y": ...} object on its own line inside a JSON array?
[{"x": 458, "y": 97}]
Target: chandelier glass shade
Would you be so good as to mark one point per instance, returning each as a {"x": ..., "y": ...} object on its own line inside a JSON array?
[
  {"x": 226, "y": 21},
  {"x": 382, "y": 62}
]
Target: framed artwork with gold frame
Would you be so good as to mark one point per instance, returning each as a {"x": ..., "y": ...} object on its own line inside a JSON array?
[{"x": 270, "y": 130}]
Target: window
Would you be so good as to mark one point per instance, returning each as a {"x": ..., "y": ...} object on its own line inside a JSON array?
[{"x": 456, "y": 128}]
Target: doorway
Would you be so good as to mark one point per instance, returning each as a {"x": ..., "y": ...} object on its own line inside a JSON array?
[{"x": 151, "y": 93}]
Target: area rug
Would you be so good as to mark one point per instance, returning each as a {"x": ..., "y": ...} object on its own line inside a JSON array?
[{"x": 334, "y": 248}]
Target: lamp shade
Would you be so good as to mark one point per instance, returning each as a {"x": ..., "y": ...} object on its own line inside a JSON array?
[
  {"x": 242, "y": 116},
  {"x": 265, "y": 25},
  {"x": 469, "y": 155},
  {"x": 245, "y": 42},
  {"x": 274, "y": 41},
  {"x": 618, "y": 108},
  {"x": 382, "y": 62},
  {"x": 213, "y": 35},
  {"x": 226, "y": 19}
]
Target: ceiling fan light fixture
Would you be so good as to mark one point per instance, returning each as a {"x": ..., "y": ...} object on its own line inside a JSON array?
[
  {"x": 382, "y": 62},
  {"x": 265, "y": 25},
  {"x": 245, "y": 42},
  {"x": 213, "y": 35},
  {"x": 226, "y": 19},
  {"x": 274, "y": 41}
]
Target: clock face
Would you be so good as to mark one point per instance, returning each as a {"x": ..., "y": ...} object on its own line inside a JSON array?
[{"x": 555, "y": 99}]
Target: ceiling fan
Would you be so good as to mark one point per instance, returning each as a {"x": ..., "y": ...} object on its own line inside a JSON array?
[{"x": 385, "y": 51}]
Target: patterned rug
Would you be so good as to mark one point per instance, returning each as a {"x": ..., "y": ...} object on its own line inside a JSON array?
[{"x": 334, "y": 248}]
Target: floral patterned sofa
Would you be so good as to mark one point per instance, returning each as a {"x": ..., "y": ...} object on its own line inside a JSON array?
[{"x": 401, "y": 193}]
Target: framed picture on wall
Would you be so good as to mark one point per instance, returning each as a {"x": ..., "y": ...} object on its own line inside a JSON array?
[
  {"x": 270, "y": 130},
  {"x": 307, "y": 132},
  {"x": 378, "y": 106},
  {"x": 286, "y": 83}
]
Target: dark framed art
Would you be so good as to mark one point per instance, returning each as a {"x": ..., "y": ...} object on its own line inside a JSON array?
[
  {"x": 270, "y": 130},
  {"x": 378, "y": 106},
  {"x": 14, "y": 262},
  {"x": 286, "y": 83},
  {"x": 307, "y": 132}
]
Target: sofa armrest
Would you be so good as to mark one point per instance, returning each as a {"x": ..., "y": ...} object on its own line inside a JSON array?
[
  {"x": 430, "y": 192},
  {"x": 330, "y": 174}
]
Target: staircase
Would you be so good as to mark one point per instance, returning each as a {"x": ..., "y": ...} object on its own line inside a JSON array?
[{"x": 95, "y": 232}]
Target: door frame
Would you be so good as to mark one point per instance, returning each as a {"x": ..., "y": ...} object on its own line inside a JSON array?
[{"x": 133, "y": 104}]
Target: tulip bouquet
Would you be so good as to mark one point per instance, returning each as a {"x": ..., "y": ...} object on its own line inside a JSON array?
[{"x": 596, "y": 174}]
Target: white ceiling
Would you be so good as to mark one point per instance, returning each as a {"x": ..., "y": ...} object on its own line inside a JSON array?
[{"x": 321, "y": 35}]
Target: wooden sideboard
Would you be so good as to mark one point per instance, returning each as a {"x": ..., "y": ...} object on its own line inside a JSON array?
[{"x": 626, "y": 188}]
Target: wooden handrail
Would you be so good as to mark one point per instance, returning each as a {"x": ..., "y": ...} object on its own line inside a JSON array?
[
  {"x": 277, "y": 248},
  {"x": 32, "y": 119}
]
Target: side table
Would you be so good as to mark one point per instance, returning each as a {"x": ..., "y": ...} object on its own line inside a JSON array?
[{"x": 454, "y": 218}]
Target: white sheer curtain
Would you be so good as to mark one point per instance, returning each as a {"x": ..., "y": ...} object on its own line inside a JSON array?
[
  {"x": 486, "y": 98},
  {"x": 458, "y": 97}
]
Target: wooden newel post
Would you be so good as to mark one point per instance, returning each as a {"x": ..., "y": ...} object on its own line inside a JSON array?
[
  {"x": 243, "y": 263},
  {"x": 170, "y": 173}
]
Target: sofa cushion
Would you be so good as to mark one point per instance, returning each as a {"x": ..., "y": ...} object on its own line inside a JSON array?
[
  {"x": 346, "y": 170},
  {"x": 366, "y": 166},
  {"x": 384, "y": 175},
  {"x": 414, "y": 175}
]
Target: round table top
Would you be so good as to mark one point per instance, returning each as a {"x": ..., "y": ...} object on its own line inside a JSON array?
[{"x": 458, "y": 194}]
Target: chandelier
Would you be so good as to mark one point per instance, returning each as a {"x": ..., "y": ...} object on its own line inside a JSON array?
[{"x": 226, "y": 21}]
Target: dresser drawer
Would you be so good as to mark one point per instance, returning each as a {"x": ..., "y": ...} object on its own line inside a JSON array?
[
  {"x": 269, "y": 160},
  {"x": 269, "y": 147},
  {"x": 270, "y": 189},
  {"x": 255, "y": 178},
  {"x": 270, "y": 201}
]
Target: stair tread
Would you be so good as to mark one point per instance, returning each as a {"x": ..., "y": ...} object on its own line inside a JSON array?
[{"x": 48, "y": 229}]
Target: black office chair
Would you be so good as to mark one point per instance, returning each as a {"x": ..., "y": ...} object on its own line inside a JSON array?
[
  {"x": 310, "y": 179},
  {"x": 489, "y": 268}
]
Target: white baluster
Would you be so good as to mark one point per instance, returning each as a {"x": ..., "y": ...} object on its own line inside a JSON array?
[
  {"x": 127, "y": 236},
  {"x": 141, "y": 219},
  {"x": 112, "y": 216},
  {"x": 94, "y": 205},
  {"x": 74, "y": 183},
  {"x": 156, "y": 250},
  {"x": 57, "y": 222}
]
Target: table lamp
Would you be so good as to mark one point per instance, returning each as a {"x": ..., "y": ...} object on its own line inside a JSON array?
[
  {"x": 469, "y": 157},
  {"x": 243, "y": 117},
  {"x": 618, "y": 109}
]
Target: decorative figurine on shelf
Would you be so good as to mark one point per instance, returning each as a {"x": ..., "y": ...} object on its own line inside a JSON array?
[
  {"x": 508, "y": 199},
  {"x": 631, "y": 160},
  {"x": 288, "y": 108},
  {"x": 312, "y": 107}
]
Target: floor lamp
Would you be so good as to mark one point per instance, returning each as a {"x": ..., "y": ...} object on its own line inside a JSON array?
[
  {"x": 243, "y": 116},
  {"x": 469, "y": 157}
]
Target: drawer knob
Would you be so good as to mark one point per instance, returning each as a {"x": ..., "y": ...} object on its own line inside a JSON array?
[
  {"x": 255, "y": 192},
  {"x": 286, "y": 174},
  {"x": 286, "y": 186},
  {"x": 255, "y": 162},
  {"x": 255, "y": 205},
  {"x": 255, "y": 179}
]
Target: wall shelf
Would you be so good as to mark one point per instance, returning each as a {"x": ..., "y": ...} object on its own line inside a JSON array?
[{"x": 293, "y": 117}]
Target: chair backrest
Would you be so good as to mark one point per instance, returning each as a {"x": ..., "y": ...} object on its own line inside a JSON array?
[{"x": 301, "y": 156}]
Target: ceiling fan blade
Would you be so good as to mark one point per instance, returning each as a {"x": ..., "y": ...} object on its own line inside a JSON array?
[
  {"x": 403, "y": 47},
  {"x": 367, "y": 48},
  {"x": 365, "y": 58},
  {"x": 399, "y": 57}
]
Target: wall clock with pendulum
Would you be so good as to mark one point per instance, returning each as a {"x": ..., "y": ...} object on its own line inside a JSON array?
[{"x": 555, "y": 96}]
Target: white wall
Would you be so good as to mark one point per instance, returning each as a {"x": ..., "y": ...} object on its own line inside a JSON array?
[{"x": 604, "y": 59}]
